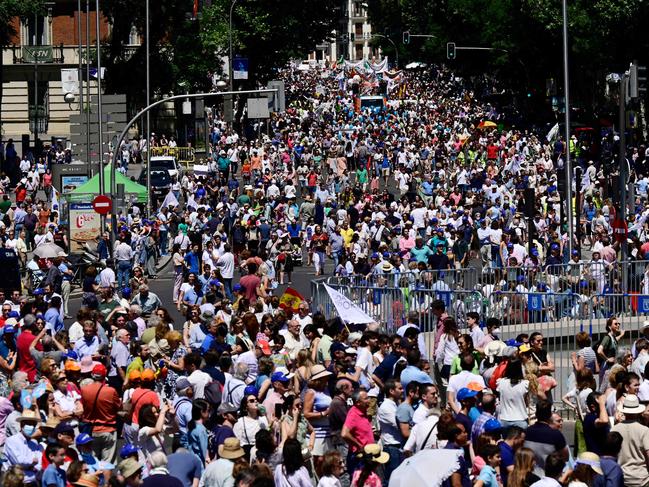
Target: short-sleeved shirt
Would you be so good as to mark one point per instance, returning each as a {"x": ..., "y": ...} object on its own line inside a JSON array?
[
  {"x": 53, "y": 476},
  {"x": 507, "y": 460},
  {"x": 185, "y": 467},
  {"x": 405, "y": 412},
  {"x": 100, "y": 406},
  {"x": 360, "y": 427},
  {"x": 488, "y": 476},
  {"x": 632, "y": 456},
  {"x": 543, "y": 440}
]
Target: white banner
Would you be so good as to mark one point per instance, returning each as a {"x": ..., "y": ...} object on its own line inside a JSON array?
[
  {"x": 170, "y": 200},
  {"x": 348, "y": 311},
  {"x": 70, "y": 81}
]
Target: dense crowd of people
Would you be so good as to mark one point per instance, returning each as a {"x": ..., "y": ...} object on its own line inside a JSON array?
[{"x": 249, "y": 391}]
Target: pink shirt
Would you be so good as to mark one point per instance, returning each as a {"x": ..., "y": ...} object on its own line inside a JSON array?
[{"x": 360, "y": 427}]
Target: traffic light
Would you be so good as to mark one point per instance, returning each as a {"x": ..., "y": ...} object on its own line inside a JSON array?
[
  {"x": 637, "y": 80},
  {"x": 352, "y": 37},
  {"x": 406, "y": 37},
  {"x": 450, "y": 50}
]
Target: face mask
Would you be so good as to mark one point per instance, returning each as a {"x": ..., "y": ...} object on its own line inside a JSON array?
[
  {"x": 495, "y": 331},
  {"x": 28, "y": 430}
]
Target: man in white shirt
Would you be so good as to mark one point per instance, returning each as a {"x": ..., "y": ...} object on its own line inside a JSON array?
[
  {"x": 124, "y": 257},
  {"x": 251, "y": 359},
  {"x": 226, "y": 263},
  {"x": 423, "y": 435},
  {"x": 391, "y": 437},
  {"x": 196, "y": 377},
  {"x": 461, "y": 380},
  {"x": 294, "y": 342},
  {"x": 107, "y": 275},
  {"x": 429, "y": 394}
]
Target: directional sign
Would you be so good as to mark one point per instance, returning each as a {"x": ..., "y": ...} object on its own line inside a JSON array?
[{"x": 102, "y": 204}]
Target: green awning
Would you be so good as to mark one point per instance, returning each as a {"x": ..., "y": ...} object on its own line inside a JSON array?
[{"x": 88, "y": 191}]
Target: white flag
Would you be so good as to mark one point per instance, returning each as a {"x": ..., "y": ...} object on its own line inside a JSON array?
[
  {"x": 191, "y": 202},
  {"x": 170, "y": 200},
  {"x": 348, "y": 311},
  {"x": 70, "y": 81},
  {"x": 552, "y": 134},
  {"x": 55, "y": 199}
]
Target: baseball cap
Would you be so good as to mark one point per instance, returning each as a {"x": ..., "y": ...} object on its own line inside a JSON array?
[
  {"x": 128, "y": 450},
  {"x": 227, "y": 407},
  {"x": 148, "y": 375},
  {"x": 237, "y": 287},
  {"x": 99, "y": 370},
  {"x": 474, "y": 386},
  {"x": 466, "y": 393},
  {"x": 9, "y": 329},
  {"x": 63, "y": 428},
  {"x": 492, "y": 425},
  {"x": 39, "y": 291},
  {"x": 83, "y": 439},
  {"x": 264, "y": 346},
  {"x": 72, "y": 366},
  {"x": 250, "y": 391},
  {"x": 72, "y": 355},
  {"x": 13, "y": 314},
  {"x": 182, "y": 383},
  {"x": 280, "y": 377},
  {"x": 337, "y": 347}
]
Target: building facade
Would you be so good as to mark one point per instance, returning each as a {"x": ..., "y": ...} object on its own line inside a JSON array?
[{"x": 33, "y": 103}]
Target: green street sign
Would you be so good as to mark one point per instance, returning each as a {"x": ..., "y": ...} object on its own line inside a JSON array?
[{"x": 38, "y": 54}]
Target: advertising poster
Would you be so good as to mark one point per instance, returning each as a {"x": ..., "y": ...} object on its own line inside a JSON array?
[
  {"x": 85, "y": 225},
  {"x": 70, "y": 183}
]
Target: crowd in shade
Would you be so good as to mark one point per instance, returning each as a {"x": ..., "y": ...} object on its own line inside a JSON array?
[{"x": 249, "y": 389}]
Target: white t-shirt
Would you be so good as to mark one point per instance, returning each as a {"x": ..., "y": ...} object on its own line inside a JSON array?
[
  {"x": 226, "y": 263},
  {"x": 366, "y": 364},
  {"x": 463, "y": 379},
  {"x": 199, "y": 379},
  {"x": 246, "y": 428},
  {"x": 420, "y": 432},
  {"x": 512, "y": 400}
]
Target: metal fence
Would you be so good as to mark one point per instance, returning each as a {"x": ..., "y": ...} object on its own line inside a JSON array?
[
  {"x": 559, "y": 316},
  {"x": 185, "y": 155}
]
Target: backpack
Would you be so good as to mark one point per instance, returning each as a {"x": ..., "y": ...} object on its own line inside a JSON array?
[{"x": 214, "y": 393}]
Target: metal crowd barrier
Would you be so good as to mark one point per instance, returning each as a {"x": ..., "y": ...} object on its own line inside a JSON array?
[
  {"x": 186, "y": 155},
  {"x": 559, "y": 316}
]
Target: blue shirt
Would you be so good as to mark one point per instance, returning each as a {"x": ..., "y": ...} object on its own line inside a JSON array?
[
  {"x": 411, "y": 373},
  {"x": 193, "y": 263},
  {"x": 54, "y": 321},
  {"x": 83, "y": 347},
  {"x": 53, "y": 475},
  {"x": 507, "y": 459},
  {"x": 488, "y": 476}
]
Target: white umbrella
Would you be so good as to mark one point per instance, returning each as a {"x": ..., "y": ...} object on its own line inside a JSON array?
[
  {"x": 49, "y": 251},
  {"x": 427, "y": 468}
]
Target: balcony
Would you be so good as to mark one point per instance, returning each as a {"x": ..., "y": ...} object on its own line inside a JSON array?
[{"x": 38, "y": 54}]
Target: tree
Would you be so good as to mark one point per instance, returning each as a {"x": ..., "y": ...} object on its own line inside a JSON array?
[{"x": 9, "y": 10}]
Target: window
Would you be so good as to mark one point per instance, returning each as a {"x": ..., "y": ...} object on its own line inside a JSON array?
[
  {"x": 358, "y": 30},
  {"x": 359, "y": 52},
  {"x": 36, "y": 31}
]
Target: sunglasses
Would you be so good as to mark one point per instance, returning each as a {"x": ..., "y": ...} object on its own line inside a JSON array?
[{"x": 252, "y": 400}]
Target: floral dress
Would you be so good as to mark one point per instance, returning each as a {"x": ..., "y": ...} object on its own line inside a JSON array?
[{"x": 169, "y": 387}]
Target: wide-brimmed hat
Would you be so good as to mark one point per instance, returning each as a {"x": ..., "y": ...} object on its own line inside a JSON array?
[
  {"x": 87, "y": 364},
  {"x": 318, "y": 372},
  {"x": 375, "y": 453},
  {"x": 494, "y": 348},
  {"x": 29, "y": 415},
  {"x": 631, "y": 405},
  {"x": 128, "y": 467},
  {"x": 87, "y": 480},
  {"x": 231, "y": 449},
  {"x": 591, "y": 459}
]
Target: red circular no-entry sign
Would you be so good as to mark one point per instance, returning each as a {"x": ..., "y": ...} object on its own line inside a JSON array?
[{"x": 102, "y": 204}]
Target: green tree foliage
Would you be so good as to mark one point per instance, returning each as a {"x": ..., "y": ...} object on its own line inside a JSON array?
[
  {"x": 186, "y": 50},
  {"x": 604, "y": 36},
  {"x": 15, "y": 8}
]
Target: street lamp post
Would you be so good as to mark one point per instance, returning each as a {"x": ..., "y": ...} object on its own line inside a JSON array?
[
  {"x": 148, "y": 115},
  {"x": 100, "y": 115},
  {"x": 88, "y": 154},
  {"x": 80, "y": 75},
  {"x": 568, "y": 163},
  {"x": 230, "y": 60}
]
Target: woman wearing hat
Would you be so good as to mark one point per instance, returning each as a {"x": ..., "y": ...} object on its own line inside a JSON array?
[
  {"x": 587, "y": 468},
  {"x": 316, "y": 410},
  {"x": 372, "y": 456}
]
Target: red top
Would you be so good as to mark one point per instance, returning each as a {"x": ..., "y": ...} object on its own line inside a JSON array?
[
  {"x": 360, "y": 427},
  {"x": 26, "y": 362},
  {"x": 141, "y": 397},
  {"x": 102, "y": 413},
  {"x": 251, "y": 282}
]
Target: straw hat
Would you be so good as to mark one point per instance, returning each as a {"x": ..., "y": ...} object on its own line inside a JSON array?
[
  {"x": 318, "y": 371},
  {"x": 87, "y": 480},
  {"x": 231, "y": 449},
  {"x": 29, "y": 415},
  {"x": 375, "y": 453},
  {"x": 129, "y": 467},
  {"x": 631, "y": 405},
  {"x": 588, "y": 458}
]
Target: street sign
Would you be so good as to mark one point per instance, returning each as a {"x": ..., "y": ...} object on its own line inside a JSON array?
[
  {"x": 102, "y": 204},
  {"x": 240, "y": 68}
]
